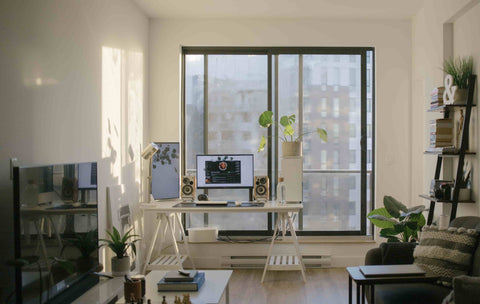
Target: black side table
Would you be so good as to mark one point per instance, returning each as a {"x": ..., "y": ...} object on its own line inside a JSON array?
[{"x": 361, "y": 281}]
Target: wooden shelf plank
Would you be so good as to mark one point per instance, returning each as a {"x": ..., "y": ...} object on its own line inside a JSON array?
[
  {"x": 437, "y": 200},
  {"x": 448, "y": 107},
  {"x": 448, "y": 154}
]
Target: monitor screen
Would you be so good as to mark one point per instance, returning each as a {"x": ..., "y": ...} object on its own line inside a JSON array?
[
  {"x": 87, "y": 176},
  {"x": 225, "y": 171}
]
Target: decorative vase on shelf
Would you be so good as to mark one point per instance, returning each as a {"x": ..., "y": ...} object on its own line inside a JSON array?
[
  {"x": 120, "y": 266},
  {"x": 292, "y": 148},
  {"x": 460, "y": 96}
]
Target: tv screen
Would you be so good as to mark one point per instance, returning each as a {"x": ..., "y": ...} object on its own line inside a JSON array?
[
  {"x": 225, "y": 171},
  {"x": 56, "y": 232},
  {"x": 166, "y": 171}
]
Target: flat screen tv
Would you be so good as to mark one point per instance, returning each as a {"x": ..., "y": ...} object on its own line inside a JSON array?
[
  {"x": 225, "y": 171},
  {"x": 53, "y": 219}
]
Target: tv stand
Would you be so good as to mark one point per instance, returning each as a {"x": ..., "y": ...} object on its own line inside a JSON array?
[{"x": 106, "y": 291}]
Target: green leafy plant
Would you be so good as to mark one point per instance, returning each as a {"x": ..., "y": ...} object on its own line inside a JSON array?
[
  {"x": 286, "y": 128},
  {"x": 86, "y": 243},
  {"x": 119, "y": 244},
  {"x": 461, "y": 68},
  {"x": 398, "y": 223}
]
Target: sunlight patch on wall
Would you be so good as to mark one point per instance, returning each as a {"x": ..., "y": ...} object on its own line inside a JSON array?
[{"x": 113, "y": 64}]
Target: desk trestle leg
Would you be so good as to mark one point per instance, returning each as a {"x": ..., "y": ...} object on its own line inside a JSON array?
[{"x": 284, "y": 262}]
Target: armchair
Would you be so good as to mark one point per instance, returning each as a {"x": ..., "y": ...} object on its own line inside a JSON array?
[{"x": 402, "y": 253}]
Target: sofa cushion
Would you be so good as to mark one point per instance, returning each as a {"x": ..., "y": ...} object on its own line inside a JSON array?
[
  {"x": 470, "y": 222},
  {"x": 446, "y": 253}
]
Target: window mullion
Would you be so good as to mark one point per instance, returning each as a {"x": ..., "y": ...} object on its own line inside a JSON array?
[
  {"x": 205, "y": 120},
  {"x": 363, "y": 144}
]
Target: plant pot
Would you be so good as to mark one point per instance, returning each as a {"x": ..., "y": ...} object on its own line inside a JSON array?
[
  {"x": 292, "y": 148},
  {"x": 121, "y": 266},
  {"x": 460, "y": 96}
]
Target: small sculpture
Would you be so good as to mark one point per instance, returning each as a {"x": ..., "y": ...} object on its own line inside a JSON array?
[{"x": 449, "y": 93}]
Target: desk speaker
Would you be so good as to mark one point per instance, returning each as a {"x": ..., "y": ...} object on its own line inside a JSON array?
[
  {"x": 188, "y": 187},
  {"x": 260, "y": 188}
]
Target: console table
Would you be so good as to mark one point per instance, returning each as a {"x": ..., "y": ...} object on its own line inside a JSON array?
[{"x": 166, "y": 212}]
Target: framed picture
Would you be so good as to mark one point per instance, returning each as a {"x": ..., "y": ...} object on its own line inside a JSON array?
[{"x": 166, "y": 171}]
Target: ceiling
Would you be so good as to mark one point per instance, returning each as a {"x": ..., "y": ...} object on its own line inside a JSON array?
[{"x": 326, "y": 9}]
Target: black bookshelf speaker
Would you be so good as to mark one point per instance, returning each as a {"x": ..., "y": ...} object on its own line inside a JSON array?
[
  {"x": 261, "y": 188},
  {"x": 188, "y": 187}
]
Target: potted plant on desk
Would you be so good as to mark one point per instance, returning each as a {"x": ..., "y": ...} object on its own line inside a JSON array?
[
  {"x": 119, "y": 244},
  {"x": 291, "y": 145}
]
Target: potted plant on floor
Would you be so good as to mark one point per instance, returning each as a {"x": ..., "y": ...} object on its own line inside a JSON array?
[
  {"x": 291, "y": 145},
  {"x": 119, "y": 244},
  {"x": 398, "y": 223},
  {"x": 461, "y": 68}
]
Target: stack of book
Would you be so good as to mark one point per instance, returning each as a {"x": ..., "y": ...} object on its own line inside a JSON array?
[
  {"x": 436, "y": 97},
  {"x": 184, "y": 281},
  {"x": 441, "y": 133}
]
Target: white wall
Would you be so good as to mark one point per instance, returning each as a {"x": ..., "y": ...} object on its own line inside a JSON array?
[
  {"x": 54, "y": 97},
  {"x": 428, "y": 55},
  {"x": 392, "y": 42}
]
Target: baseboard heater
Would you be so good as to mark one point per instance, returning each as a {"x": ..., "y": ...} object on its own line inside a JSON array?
[{"x": 241, "y": 261}]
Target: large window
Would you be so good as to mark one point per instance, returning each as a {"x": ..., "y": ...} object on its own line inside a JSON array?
[{"x": 225, "y": 90}]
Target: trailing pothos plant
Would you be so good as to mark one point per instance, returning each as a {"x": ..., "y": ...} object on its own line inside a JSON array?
[
  {"x": 286, "y": 132},
  {"x": 397, "y": 222}
]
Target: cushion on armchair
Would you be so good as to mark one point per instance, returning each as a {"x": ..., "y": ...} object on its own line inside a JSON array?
[
  {"x": 447, "y": 253},
  {"x": 397, "y": 253}
]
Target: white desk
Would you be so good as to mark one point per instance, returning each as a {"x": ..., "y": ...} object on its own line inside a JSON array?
[
  {"x": 167, "y": 213},
  {"x": 211, "y": 292}
]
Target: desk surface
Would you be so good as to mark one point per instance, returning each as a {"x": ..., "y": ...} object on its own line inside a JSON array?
[
  {"x": 270, "y": 206},
  {"x": 48, "y": 210}
]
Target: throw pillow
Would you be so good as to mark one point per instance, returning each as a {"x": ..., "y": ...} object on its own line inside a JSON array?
[{"x": 446, "y": 253}]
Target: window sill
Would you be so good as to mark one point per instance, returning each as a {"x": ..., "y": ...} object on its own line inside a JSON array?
[{"x": 364, "y": 239}]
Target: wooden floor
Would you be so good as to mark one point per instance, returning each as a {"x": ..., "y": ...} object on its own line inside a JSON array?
[{"x": 329, "y": 285}]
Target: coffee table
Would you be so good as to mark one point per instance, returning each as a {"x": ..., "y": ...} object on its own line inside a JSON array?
[
  {"x": 212, "y": 291},
  {"x": 361, "y": 281}
]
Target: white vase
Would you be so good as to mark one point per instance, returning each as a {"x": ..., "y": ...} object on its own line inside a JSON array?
[
  {"x": 292, "y": 148},
  {"x": 121, "y": 266}
]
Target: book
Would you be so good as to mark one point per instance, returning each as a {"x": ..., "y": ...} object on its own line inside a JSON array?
[
  {"x": 175, "y": 276},
  {"x": 392, "y": 270},
  {"x": 182, "y": 286}
]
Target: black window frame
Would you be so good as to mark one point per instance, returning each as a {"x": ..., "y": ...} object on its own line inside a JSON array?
[{"x": 272, "y": 166}]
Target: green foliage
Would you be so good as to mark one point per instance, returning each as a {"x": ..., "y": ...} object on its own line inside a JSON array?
[
  {"x": 119, "y": 244},
  {"x": 86, "y": 243},
  {"x": 286, "y": 129},
  {"x": 461, "y": 68},
  {"x": 398, "y": 223}
]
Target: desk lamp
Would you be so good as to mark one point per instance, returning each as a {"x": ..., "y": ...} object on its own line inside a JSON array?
[{"x": 147, "y": 154}]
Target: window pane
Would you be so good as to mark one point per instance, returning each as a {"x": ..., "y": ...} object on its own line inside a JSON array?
[
  {"x": 332, "y": 201},
  {"x": 194, "y": 101},
  {"x": 337, "y": 205},
  {"x": 287, "y": 91},
  {"x": 237, "y": 95}
]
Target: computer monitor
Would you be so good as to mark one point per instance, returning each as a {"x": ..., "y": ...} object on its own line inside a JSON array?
[
  {"x": 87, "y": 176},
  {"x": 225, "y": 171}
]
